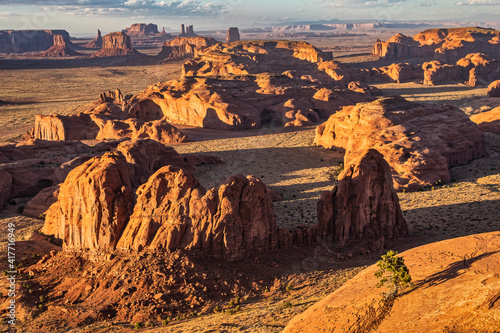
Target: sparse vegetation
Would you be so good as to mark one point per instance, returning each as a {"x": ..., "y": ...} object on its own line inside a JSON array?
[
  {"x": 392, "y": 270},
  {"x": 138, "y": 325}
]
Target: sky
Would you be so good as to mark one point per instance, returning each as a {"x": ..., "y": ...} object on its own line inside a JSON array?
[{"x": 84, "y": 16}]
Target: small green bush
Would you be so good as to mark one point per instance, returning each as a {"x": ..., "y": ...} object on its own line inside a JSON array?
[
  {"x": 164, "y": 322},
  {"x": 138, "y": 325},
  {"x": 392, "y": 270}
]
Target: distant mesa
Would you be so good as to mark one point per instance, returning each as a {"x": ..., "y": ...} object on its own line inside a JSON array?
[
  {"x": 445, "y": 45},
  {"x": 419, "y": 141},
  {"x": 96, "y": 43},
  {"x": 116, "y": 44},
  {"x": 59, "y": 49},
  {"x": 141, "y": 30},
  {"x": 20, "y": 41},
  {"x": 233, "y": 35}
]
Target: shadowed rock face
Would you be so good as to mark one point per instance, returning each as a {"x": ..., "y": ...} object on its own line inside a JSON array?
[
  {"x": 444, "y": 275},
  {"x": 494, "y": 89},
  {"x": 59, "y": 49},
  {"x": 445, "y": 45},
  {"x": 141, "y": 29},
  {"x": 5, "y": 187},
  {"x": 96, "y": 43},
  {"x": 115, "y": 44},
  {"x": 233, "y": 35},
  {"x": 419, "y": 141},
  {"x": 363, "y": 205},
  {"x": 19, "y": 41}
]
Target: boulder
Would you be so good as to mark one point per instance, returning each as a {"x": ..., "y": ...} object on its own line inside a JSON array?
[
  {"x": 233, "y": 35},
  {"x": 93, "y": 205},
  {"x": 455, "y": 288},
  {"x": 115, "y": 44},
  {"x": 494, "y": 89},
  {"x": 41, "y": 202},
  {"x": 419, "y": 141},
  {"x": 488, "y": 121},
  {"x": 174, "y": 212},
  {"x": 364, "y": 205}
]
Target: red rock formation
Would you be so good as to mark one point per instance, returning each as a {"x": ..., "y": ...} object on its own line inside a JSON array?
[
  {"x": 227, "y": 222},
  {"x": 5, "y": 187},
  {"x": 111, "y": 97},
  {"x": 402, "y": 72},
  {"x": 141, "y": 29},
  {"x": 488, "y": 121},
  {"x": 445, "y": 45},
  {"x": 494, "y": 89},
  {"x": 19, "y": 41},
  {"x": 419, "y": 141},
  {"x": 56, "y": 127},
  {"x": 115, "y": 44},
  {"x": 435, "y": 72},
  {"x": 364, "y": 205},
  {"x": 363, "y": 88},
  {"x": 444, "y": 274},
  {"x": 93, "y": 205},
  {"x": 41, "y": 202},
  {"x": 96, "y": 43},
  {"x": 233, "y": 35},
  {"x": 59, "y": 49},
  {"x": 184, "y": 48}
]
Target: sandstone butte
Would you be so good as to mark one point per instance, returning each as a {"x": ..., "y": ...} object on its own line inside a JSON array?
[
  {"x": 471, "y": 69},
  {"x": 419, "y": 141},
  {"x": 456, "y": 288},
  {"x": 104, "y": 121},
  {"x": 59, "y": 49},
  {"x": 96, "y": 43},
  {"x": 19, "y": 41},
  {"x": 494, "y": 89},
  {"x": 233, "y": 35},
  {"x": 173, "y": 211},
  {"x": 445, "y": 45},
  {"x": 184, "y": 48},
  {"x": 488, "y": 121},
  {"x": 115, "y": 44},
  {"x": 243, "y": 85}
]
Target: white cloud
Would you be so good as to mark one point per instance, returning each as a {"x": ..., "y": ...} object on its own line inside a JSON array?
[{"x": 479, "y": 3}]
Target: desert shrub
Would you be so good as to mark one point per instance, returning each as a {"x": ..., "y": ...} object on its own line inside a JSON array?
[
  {"x": 138, "y": 325},
  {"x": 164, "y": 322},
  {"x": 392, "y": 270},
  {"x": 286, "y": 305}
]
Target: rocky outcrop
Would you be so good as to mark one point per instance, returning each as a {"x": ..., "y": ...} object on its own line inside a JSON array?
[
  {"x": 187, "y": 31},
  {"x": 363, "y": 88},
  {"x": 494, "y": 89},
  {"x": 93, "y": 205},
  {"x": 227, "y": 221},
  {"x": 115, "y": 44},
  {"x": 419, "y": 141},
  {"x": 233, "y": 35},
  {"x": 96, "y": 43},
  {"x": 363, "y": 205},
  {"x": 400, "y": 73},
  {"x": 59, "y": 49},
  {"x": 19, "y": 41},
  {"x": 41, "y": 202},
  {"x": 445, "y": 45},
  {"x": 115, "y": 97},
  {"x": 234, "y": 104},
  {"x": 141, "y": 30},
  {"x": 5, "y": 187},
  {"x": 488, "y": 121},
  {"x": 184, "y": 48},
  {"x": 436, "y": 72},
  {"x": 444, "y": 274}
]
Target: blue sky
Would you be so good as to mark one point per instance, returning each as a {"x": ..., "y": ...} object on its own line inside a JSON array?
[{"x": 112, "y": 15}]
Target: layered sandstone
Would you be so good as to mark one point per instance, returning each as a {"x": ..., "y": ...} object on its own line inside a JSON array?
[
  {"x": 41, "y": 202},
  {"x": 93, "y": 205},
  {"x": 488, "y": 121},
  {"x": 419, "y": 141},
  {"x": 115, "y": 44},
  {"x": 184, "y": 48},
  {"x": 19, "y": 41},
  {"x": 174, "y": 212},
  {"x": 445, "y": 45},
  {"x": 364, "y": 205},
  {"x": 59, "y": 48},
  {"x": 455, "y": 288}
]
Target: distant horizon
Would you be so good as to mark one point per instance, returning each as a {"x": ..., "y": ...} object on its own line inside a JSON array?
[{"x": 85, "y": 16}]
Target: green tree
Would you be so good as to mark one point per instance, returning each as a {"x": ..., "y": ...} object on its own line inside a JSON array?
[{"x": 392, "y": 270}]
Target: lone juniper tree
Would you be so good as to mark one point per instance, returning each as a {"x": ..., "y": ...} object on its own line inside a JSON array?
[{"x": 392, "y": 270}]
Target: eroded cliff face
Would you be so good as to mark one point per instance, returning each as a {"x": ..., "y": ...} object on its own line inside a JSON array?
[
  {"x": 445, "y": 45},
  {"x": 419, "y": 141},
  {"x": 19, "y": 41}
]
